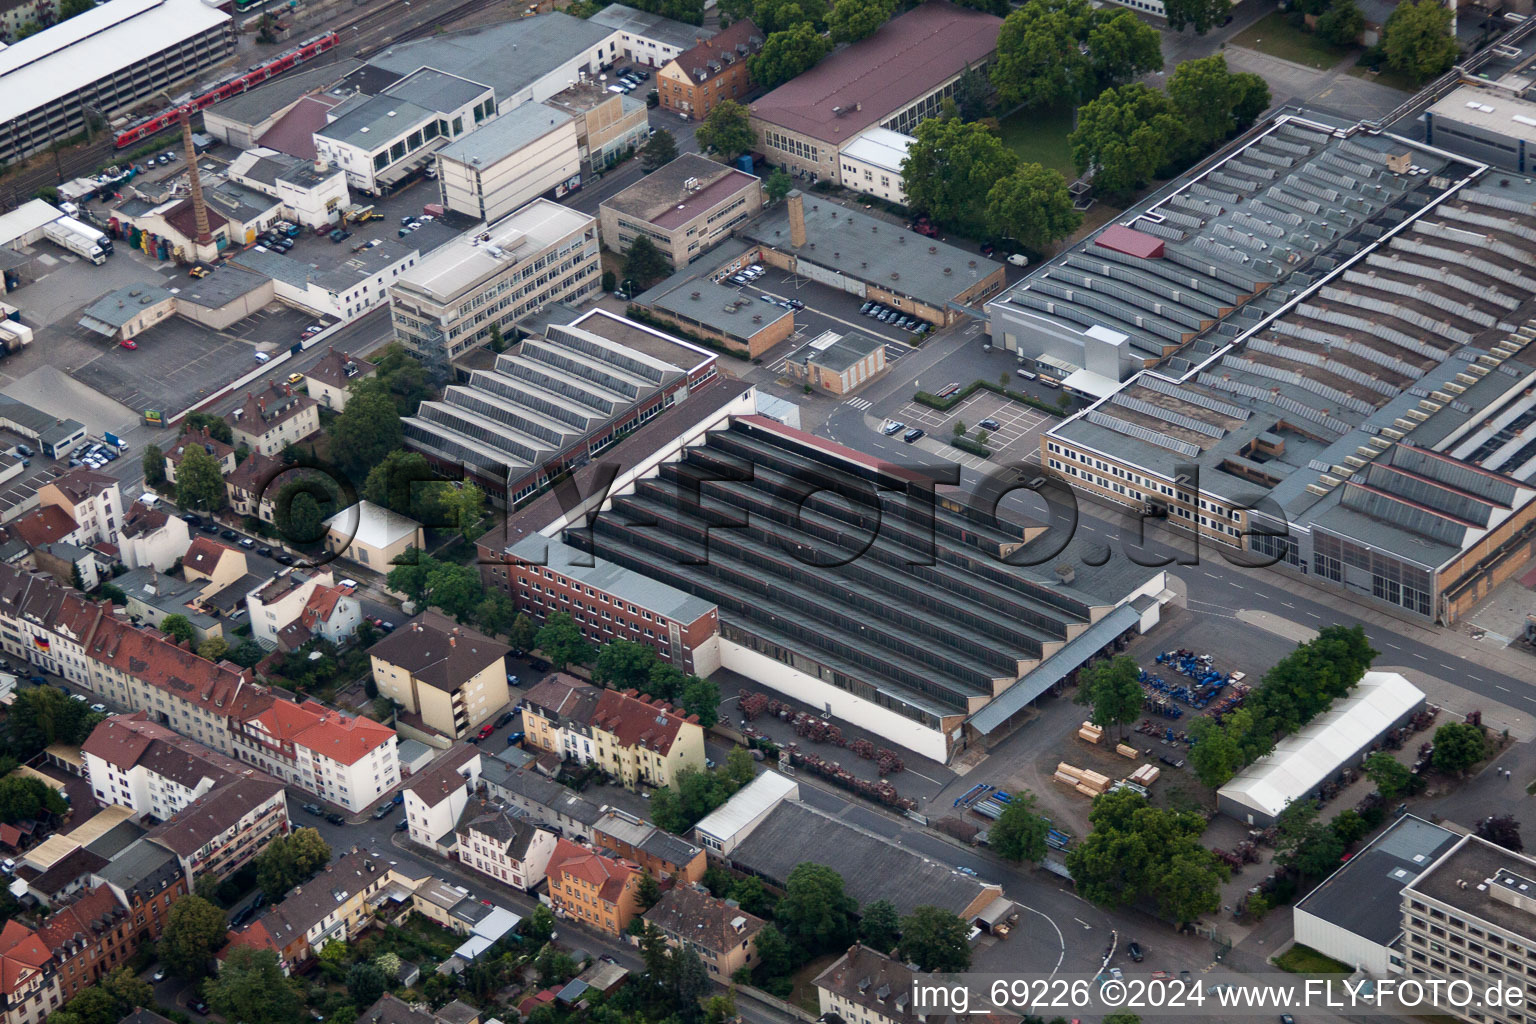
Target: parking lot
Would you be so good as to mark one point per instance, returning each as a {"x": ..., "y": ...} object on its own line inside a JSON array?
[
  {"x": 825, "y": 309},
  {"x": 1015, "y": 438}
]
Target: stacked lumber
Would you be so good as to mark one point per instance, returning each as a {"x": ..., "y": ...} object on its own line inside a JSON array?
[
  {"x": 1090, "y": 732},
  {"x": 1126, "y": 750},
  {"x": 1088, "y": 783},
  {"x": 1145, "y": 775}
]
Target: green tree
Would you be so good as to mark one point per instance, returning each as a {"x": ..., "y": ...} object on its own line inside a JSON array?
[
  {"x": 454, "y": 589},
  {"x": 1207, "y": 97},
  {"x": 648, "y": 893},
  {"x": 726, "y": 130},
  {"x": 1033, "y": 206},
  {"x": 950, "y": 168},
  {"x": 562, "y": 642},
  {"x": 217, "y": 426},
  {"x": 815, "y": 914},
  {"x": 659, "y": 151},
  {"x": 1306, "y": 843},
  {"x": 1391, "y": 776},
  {"x": 739, "y": 768},
  {"x": 775, "y": 956},
  {"x": 290, "y": 860},
  {"x": 645, "y": 263},
  {"x": 402, "y": 375},
  {"x": 388, "y": 962},
  {"x": 23, "y": 798},
  {"x": 666, "y": 682},
  {"x": 753, "y": 896},
  {"x": 214, "y": 648},
  {"x": 539, "y": 925},
  {"x": 195, "y": 929},
  {"x": 852, "y": 20},
  {"x": 1417, "y": 39},
  {"x": 42, "y": 715},
  {"x": 405, "y": 482},
  {"x": 302, "y": 507},
  {"x": 1134, "y": 851},
  {"x": 367, "y": 430},
  {"x": 1458, "y": 746},
  {"x": 879, "y": 927},
  {"x": 1127, "y": 133},
  {"x": 498, "y": 343},
  {"x": 251, "y": 988},
  {"x": 365, "y": 984},
  {"x": 787, "y": 54},
  {"x": 522, "y": 634},
  {"x": 1342, "y": 24},
  {"x": 199, "y": 481},
  {"x": 935, "y": 940},
  {"x": 1349, "y": 826},
  {"x": 1201, "y": 15},
  {"x": 623, "y": 664},
  {"x": 778, "y": 15},
  {"x": 495, "y": 613},
  {"x": 1019, "y": 833},
  {"x": 778, "y": 184},
  {"x": 653, "y": 951},
  {"x": 1216, "y": 755},
  {"x": 1111, "y": 688},
  {"x": 1055, "y": 51},
  {"x": 701, "y": 697},
  {"x": 152, "y": 461},
  {"x": 179, "y": 627},
  {"x": 1501, "y": 830}
]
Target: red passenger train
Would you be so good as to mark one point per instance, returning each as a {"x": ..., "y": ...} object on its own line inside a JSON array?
[{"x": 233, "y": 86}]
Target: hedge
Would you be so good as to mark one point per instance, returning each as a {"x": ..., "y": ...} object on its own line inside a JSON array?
[
  {"x": 974, "y": 447},
  {"x": 945, "y": 404}
]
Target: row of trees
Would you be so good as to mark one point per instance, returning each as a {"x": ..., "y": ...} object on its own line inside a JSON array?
[
  {"x": 623, "y": 664},
  {"x": 42, "y": 715},
  {"x": 1301, "y": 686},
  {"x": 695, "y": 793}
]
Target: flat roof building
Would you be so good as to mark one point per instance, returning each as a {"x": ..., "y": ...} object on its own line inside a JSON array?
[
  {"x": 892, "y": 79},
  {"x": 647, "y": 38},
  {"x": 523, "y": 154},
  {"x": 685, "y": 208},
  {"x": 838, "y": 363},
  {"x": 445, "y": 305},
  {"x": 872, "y": 162},
  {"x": 701, "y": 305},
  {"x": 1489, "y": 124},
  {"x": 873, "y": 258},
  {"x": 106, "y": 59},
  {"x": 609, "y": 126}
]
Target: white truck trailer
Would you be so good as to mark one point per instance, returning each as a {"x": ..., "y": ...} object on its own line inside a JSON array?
[{"x": 81, "y": 245}]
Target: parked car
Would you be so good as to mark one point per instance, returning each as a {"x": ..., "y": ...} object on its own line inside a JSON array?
[
  {"x": 989, "y": 424},
  {"x": 315, "y": 809},
  {"x": 191, "y": 519},
  {"x": 347, "y": 584},
  {"x": 511, "y": 679},
  {"x": 129, "y": 343},
  {"x": 506, "y": 718},
  {"x": 264, "y": 551},
  {"x": 283, "y": 558},
  {"x": 340, "y": 235},
  {"x": 229, "y": 534},
  {"x": 382, "y": 810},
  {"x": 893, "y": 428},
  {"x": 913, "y": 434},
  {"x": 335, "y": 819},
  {"x": 262, "y": 357},
  {"x": 99, "y": 709},
  {"x": 1018, "y": 259},
  {"x": 487, "y": 729},
  {"x": 402, "y": 825},
  {"x": 160, "y": 974},
  {"x": 247, "y": 543},
  {"x": 1134, "y": 952},
  {"x": 209, "y": 527},
  {"x": 864, "y": 309},
  {"x": 514, "y": 738}
]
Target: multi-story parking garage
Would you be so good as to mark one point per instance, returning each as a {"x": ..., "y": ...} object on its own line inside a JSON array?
[{"x": 101, "y": 63}]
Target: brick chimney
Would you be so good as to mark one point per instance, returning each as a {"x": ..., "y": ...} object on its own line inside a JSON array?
[
  {"x": 796, "y": 201},
  {"x": 199, "y": 206}
]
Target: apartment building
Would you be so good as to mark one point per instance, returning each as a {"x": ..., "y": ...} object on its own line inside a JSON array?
[
  {"x": 695, "y": 81},
  {"x": 272, "y": 419},
  {"x": 152, "y": 538},
  {"x": 1471, "y": 917},
  {"x": 93, "y": 500},
  {"x": 450, "y": 676},
  {"x": 88, "y": 937},
  {"x": 135, "y": 763},
  {"x": 869, "y": 987},
  {"x": 495, "y": 274},
  {"x": 220, "y": 452},
  {"x": 349, "y": 761},
  {"x": 221, "y": 831},
  {"x": 29, "y": 979},
  {"x": 335, "y": 906},
  {"x": 249, "y": 487},
  {"x": 147, "y": 879},
  {"x": 685, "y": 208},
  {"x": 656, "y": 850},
  {"x": 435, "y": 798},
  {"x": 505, "y": 844},
  {"x": 722, "y": 934},
  {"x": 282, "y": 600},
  {"x": 330, "y": 380},
  {"x": 598, "y": 889},
  {"x": 635, "y": 739}
]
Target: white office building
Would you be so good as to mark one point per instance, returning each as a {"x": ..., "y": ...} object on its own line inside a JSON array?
[
  {"x": 524, "y": 154},
  {"x": 871, "y": 164}
]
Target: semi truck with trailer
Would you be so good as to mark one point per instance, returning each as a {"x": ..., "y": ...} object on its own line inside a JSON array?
[
  {"x": 81, "y": 245},
  {"x": 101, "y": 238}
]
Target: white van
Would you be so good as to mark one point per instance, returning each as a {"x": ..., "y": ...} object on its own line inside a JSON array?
[{"x": 262, "y": 357}]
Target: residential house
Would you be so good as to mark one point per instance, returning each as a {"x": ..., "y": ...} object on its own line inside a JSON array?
[
  {"x": 596, "y": 888},
  {"x": 272, "y": 419},
  {"x": 147, "y": 878},
  {"x": 152, "y": 597},
  {"x": 47, "y": 625},
  {"x": 220, "y": 832},
  {"x": 695, "y": 81},
  {"x": 435, "y": 798},
  {"x": 656, "y": 850},
  {"x": 541, "y": 798},
  {"x": 207, "y": 559},
  {"x": 722, "y": 934},
  {"x": 348, "y": 760},
  {"x": 504, "y": 844},
  {"x": 29, "y": 979},
  {"x": 451, "y": 677},
  {"x": 152, "y": 538},
  {"x": 88, "y": 937},
  {"x": 635, "y": 739},
  {"x": 334, "y": 906},
  {"x": 372, "y": 535},
  {"x": 282, "y": 601},
  {"x": 330, "y": 380},
  {"x": 223, "y": 454},
  {"x": 331, "y": 614},
  {"x": 92, "y": 499},
  {"x": 869, "y": 987},
  {"x": 135, "y": 763},
  {"x": 250, "y": 487}
]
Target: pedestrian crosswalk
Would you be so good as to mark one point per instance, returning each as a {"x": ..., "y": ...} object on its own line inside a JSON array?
[{"x": 860, "y": 403}]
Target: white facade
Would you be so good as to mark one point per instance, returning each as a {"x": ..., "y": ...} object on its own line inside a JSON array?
[
  {"x": 343, "y": 299},
  {"x": 158, "y": 548},
  {"x": 385, "y": 138},
  {"x": 269, "y": 617},
  {"x": 721, "y": 829},
  {"x": 314, "y": 204},
  {"x": 490, "y": 856},
  {"x": 99, "y": 513},
  {"x": 871, "y": 164},
  {"x": 510, "y": 162},
  {"x": 145, "y": 791},
  {"x": 347, "y": 761},
  {"x": 434, "y": 818}
]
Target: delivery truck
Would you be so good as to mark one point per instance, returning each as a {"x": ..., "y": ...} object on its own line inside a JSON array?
[
  {"x": 96, "y": 235},
  {"x": 77, "y": 243}
]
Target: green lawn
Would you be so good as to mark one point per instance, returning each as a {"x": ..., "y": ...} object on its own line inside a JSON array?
[
  {"x": 1301, "y": 959},
  {"x": 1273, "y": 35},
  {"x": 1040, "y": 137},
  {"x": 1391, "y": 79}
]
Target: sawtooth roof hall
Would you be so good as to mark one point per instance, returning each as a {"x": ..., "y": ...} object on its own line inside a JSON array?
[{"x": 1340, "y": 320}]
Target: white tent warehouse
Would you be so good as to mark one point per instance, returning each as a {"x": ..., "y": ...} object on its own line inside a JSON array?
[{"x": 1334, "y": 740}]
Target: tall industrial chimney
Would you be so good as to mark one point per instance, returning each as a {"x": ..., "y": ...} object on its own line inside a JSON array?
[
  {"x": 796, "y": 201},
  {"x": 199, "y": 207}
]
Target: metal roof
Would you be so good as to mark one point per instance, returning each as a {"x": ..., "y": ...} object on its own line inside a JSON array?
[
  {"x": 880, "y": 147},
  {"x": 376, "y": 123},
  {"x": 122, "y": 305},
  {"x": 704, "y": 301},
  {"x": 449, "y": 271},
  {"x": 652, "y": 26},
  {"x": 95, "y": 45},
  {"x": 436, "y": 90},
  {"x": 611, "y": 578},
  {"x": 756, "y": 797},
  {"x": 507, "y": 135}
]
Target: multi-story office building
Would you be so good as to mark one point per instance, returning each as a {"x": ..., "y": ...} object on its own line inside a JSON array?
[
  {"x": 497, "y": 169},
  {"x": 685, "y": 208},
  {"x": 453, "y": 677},
  {"x": 1472, "y": 917},
  {"x": 496, "y": 274},
  {"x": 102, "y": 63},
  {"x": 608, "y": 125}
]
